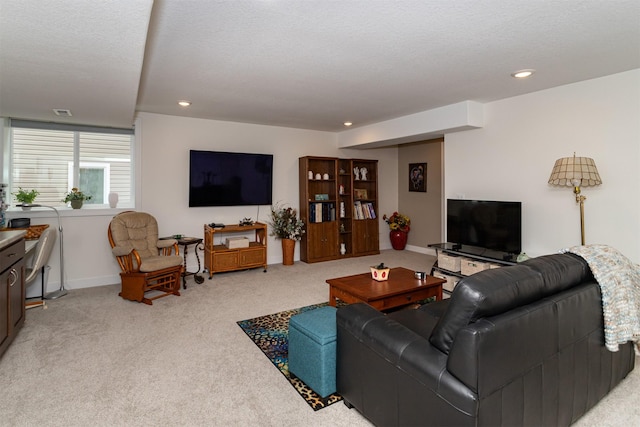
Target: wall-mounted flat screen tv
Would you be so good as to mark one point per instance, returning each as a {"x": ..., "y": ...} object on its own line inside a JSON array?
[
  {"x": 218, "y": 178},
  {"x": 484, "y": 224}
]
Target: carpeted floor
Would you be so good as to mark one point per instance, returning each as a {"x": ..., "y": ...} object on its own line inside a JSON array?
[
  {"x": 271, "y": 334},
  {"x": 95, "y": 359}
]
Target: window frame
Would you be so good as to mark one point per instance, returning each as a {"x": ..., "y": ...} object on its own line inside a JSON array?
[{"x": 6, "y": 139}]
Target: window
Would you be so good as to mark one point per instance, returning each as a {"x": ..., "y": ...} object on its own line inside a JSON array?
[{"x": 53, "y": 158}]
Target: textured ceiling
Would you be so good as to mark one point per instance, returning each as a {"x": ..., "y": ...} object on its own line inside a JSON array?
[{"x": 299, "y": 63}]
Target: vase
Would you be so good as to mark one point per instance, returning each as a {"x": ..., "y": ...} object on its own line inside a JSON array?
[
  {"x": 76, "y": 204},
  {"x": 398, "y": 239},
  {"x": 288, "y": 248},
  {"x": 343, "y": 248},
  {"x": 113, "y": 200}
]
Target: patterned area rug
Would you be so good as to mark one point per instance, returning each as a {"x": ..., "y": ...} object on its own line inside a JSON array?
[{"x": 271, "y": 334}]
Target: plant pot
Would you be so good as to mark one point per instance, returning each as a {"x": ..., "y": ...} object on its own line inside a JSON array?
[
  {"x": 77, "y": 204},
  {"x": 288, "y": 249},
  {"x": 398, "y": 239},
  {"x": 379, "y": 274}
]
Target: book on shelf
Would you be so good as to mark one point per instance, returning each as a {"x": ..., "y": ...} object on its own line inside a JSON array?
[
  {"x": 321, "y": 212},
  {"x": 363, "y": 210}
]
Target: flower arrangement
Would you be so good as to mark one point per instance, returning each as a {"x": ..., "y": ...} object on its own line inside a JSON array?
[
  {"x": 24, "y": 196},
  {"x": 398, "y": 222},
  {"x": 76, "y": 194},
  {"x": 285, "y": 223}
]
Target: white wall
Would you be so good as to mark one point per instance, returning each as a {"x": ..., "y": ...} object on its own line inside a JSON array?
[
  {"x": 509, "y": 159},
  {"x": 164, "y": 150},
  {"x": 512, "y": 156},
  {"x": 166, "y": 141}
]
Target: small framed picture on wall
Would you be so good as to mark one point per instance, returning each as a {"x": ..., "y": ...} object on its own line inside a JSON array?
[{"x": 418, "y": 177}]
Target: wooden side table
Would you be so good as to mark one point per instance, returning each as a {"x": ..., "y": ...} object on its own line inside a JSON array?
[{"x": 185, "y": 242}]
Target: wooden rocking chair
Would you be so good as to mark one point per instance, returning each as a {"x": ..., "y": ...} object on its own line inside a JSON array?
[{"x": 147, "y": 263}]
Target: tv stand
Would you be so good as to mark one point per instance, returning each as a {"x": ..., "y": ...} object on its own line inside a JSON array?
[
  {"x": 219, "y": 258},
  {"x": 479, "y": 257}
]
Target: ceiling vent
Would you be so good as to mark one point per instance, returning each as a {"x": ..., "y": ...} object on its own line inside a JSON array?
[{"x": 62, "y": 112}]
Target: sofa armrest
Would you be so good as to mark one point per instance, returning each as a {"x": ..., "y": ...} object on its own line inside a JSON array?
[{"x": 380, "y": 360}]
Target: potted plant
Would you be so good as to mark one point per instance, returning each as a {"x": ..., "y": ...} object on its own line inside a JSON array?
[
  {"x": 399, "y": 226},
  {"x": 286, "y": 225},
  {"x": 380, "y": 272},
  {"x": 76, "y": 197},
  {"x": 26, "y": 197}
]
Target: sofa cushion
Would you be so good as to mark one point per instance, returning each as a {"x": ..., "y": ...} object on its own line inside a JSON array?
[{"x": 496, "y": 291}]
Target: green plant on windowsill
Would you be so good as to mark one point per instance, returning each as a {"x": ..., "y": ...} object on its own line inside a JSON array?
[
  {"x": 26, "y": 197},
  {"x": 76, "y": 197}
]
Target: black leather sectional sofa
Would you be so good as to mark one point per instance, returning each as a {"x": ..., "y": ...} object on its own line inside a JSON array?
[{"x": 514, "y": 346}]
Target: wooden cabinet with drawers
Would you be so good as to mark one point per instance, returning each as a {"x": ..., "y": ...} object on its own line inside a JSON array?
[{"x": 218, "y": 257}]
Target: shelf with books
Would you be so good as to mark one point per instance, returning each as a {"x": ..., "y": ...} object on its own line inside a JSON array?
[{"x": 339, "y": 209}]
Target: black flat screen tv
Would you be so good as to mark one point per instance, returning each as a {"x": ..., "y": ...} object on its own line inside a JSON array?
[
  {"x": 218, "y": 178},
  {"x": 478, "y": 225}
]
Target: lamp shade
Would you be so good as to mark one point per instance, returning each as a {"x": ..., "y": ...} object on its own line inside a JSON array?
[{"x": 575, "y": 172}]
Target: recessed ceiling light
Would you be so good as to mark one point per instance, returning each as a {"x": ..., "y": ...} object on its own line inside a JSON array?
[
  {"x": 523, "y": 74},
  {"x": 347, "y": 124},
  {"x": 184, "y": 103}
]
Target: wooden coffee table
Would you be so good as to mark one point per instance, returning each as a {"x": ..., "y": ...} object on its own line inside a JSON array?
[{"x": 400, "y": 289}]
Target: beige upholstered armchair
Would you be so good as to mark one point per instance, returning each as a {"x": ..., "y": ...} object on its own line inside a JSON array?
[{"x": 147, "y": 263}]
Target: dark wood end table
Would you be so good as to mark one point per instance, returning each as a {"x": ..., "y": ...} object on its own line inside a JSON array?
[
  {"x": 185, "y": 242},
  {"x": 400, "y": 289}
]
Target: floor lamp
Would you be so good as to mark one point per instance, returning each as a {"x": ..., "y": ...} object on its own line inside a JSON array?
[
  {"x": 62, "y": 291},
  {"x": 576, "y": 172}
]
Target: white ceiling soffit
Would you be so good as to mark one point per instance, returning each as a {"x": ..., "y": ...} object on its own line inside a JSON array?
[
  {"x": 74, "y": 55},
  {"x": 303, "y": 64}
]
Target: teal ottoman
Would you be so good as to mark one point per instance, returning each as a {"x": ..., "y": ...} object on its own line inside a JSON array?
[{"x": 312, "y": 349}]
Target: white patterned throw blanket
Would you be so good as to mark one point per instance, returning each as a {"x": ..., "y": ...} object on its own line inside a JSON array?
[{"x": 619, "y": 281}]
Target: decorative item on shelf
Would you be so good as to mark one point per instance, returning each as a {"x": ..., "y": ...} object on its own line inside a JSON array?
[
  {"x": 380, "y": 272},
  {"x": 399, "y": 226},
  {"x": 342, "y": 229},
  {"x": 26, "y": 198},
  {"x": 76, "y": 197},
  {"x": 310, "y": 174},
  {"x": 341, "y": 189},
  {"x": 360, "y": 193},
  {"x": 576, "y": 172},
  {"x": 322, "y": 197},
  {"x": 356, "y": 173},
  {"x": 113, "y": 200},
  {"x": 245, "y": 221},
  {"x": 318, "y": 176},
  {"x": 286, "y": 225},
  {"x": 363, "y": 174},
  {"x": 342, "y": 210},
  {"x": 343, "y": 248},
  {"x": 325, "y": 176}
]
